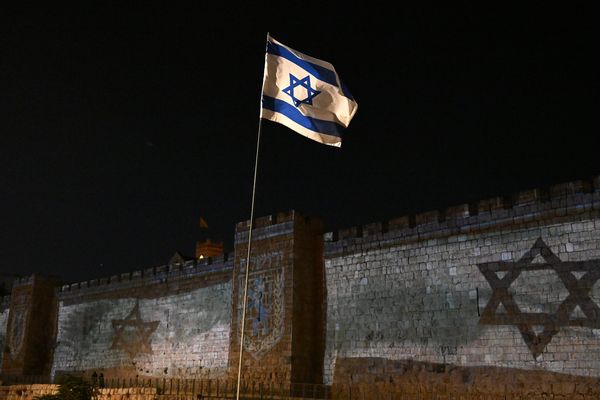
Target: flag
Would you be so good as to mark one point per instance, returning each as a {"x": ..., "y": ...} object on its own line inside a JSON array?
[
  {"x": 203, "y": 224},
  {"x": 305, "y": 94}
]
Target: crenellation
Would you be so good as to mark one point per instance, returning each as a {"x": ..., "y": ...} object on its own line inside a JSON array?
[
  {"x": 137, "y": 274},
  {"x": 503, "y": 213},
  {"x": 242, "y": 226},
  {"x": 218, "y": 259},
  {"x": 459, "y": 212},
  {"x": 375, "y": 228},
  {"x": 596, "y": 183},
  {"x": 24, "y": 280},
  {"x": 268, "y": 220},
  {"x": 490, "y": 205},
  {"x": 400, "y": 223},
  {"x": 560, "y": 190},
  {"x": 574, "y": 187},
  {"x": 526, "y": 197},
  {"x": 330, "y": 237},
  {"x": 261, "y": 222},
  {"x": 580, "y": 201},
  {"x": 427, "y": 218},
  {"x": 242, "y": 231},
  {"x": 173, "y": 269},
  {"x": 524, "y": 208},
  {"x": 161, "y": 274},
  {"x": 285, "y": 216},
  {"x": 162, "y": 269},
  {"x": 350, "y": 233}
]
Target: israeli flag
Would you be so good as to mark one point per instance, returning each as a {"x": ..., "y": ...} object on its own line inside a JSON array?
[{"x": 305, "y": 94}]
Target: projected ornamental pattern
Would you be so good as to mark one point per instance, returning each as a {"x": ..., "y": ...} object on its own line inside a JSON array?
[
  {"x": 265, "y": 305},
  {"x": 16, "y": 335}
]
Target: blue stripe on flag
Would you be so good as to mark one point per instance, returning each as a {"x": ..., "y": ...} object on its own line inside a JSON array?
[
  {"x": 319, "y": 72},
  {"x": 317, "y": 125},
  {"x": 346, "y": 91}
]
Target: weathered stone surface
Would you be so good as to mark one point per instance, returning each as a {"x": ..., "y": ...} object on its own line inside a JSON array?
[
  {"x": 376, "y": 378},
  {"x": 419, "y": 299},
  {"x": 180, "y": 335}
]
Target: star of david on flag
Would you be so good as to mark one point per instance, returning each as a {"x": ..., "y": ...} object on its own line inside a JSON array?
[
  {"x": 304, "y": 83},
  {"x": 305, "y": 94}
]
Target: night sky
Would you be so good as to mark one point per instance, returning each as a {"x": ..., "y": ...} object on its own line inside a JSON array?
[{"x": 119, "y": 128}]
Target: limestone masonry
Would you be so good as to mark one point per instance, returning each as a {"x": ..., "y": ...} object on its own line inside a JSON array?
[{"x": 509, "y": 286}]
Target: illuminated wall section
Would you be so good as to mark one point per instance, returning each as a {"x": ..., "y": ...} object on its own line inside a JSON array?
[{"x": 171, "y": 323}]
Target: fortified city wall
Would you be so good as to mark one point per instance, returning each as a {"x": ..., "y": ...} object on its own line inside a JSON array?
[
  {"x": 169, "y": 321},
  {"x": 505, "y": 282},
  {"x": 501, "y": 294}
]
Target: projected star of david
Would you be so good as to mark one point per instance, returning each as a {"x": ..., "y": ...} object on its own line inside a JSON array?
[
  {"x": 302, "y": 83},
  {"x": 578, "y": 277},
  {"x": 132, "y": 334}
]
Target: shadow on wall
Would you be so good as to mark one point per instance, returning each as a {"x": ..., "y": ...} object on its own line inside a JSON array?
[
  {"x": 450, "y": 317},
  {"x": 377, "y": 378}
]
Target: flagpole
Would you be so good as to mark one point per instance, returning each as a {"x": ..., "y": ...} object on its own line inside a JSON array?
[{"x": 244, "y": 302}]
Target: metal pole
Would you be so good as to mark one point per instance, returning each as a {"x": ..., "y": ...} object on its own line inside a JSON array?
[
  {"x": 248, "y": 265},
  {"x": 239, "y": 377}
]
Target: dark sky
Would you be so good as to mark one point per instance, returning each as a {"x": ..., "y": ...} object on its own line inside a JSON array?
[{"x": 119, "y": 128}]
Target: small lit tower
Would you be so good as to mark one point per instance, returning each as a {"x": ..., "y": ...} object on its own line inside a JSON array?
[{"x": 206, "y": 247}]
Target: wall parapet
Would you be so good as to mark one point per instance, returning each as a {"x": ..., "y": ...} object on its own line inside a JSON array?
[
  {"x": 525, "y": 207},
  {"x": 267, "y": 220},
  {"x": 23, "y": 280},
  {"x": 271, "y": 225},
  {"x": 151, "y": 276}
]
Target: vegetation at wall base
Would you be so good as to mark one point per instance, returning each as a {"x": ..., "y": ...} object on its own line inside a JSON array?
[{"x": 72, "y": 388}]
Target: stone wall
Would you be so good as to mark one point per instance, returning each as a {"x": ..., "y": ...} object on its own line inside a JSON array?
[
  {"x": 508, "y": 283},
  {"x": 408, "y": 379},
  {"x": 4, "y": 302},
  {"x": 501, "y": 295},
  {"x": 167, "y": 322}
]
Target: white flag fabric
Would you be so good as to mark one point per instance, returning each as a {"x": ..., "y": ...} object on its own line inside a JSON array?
[{"x": 305, "y": 94}]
